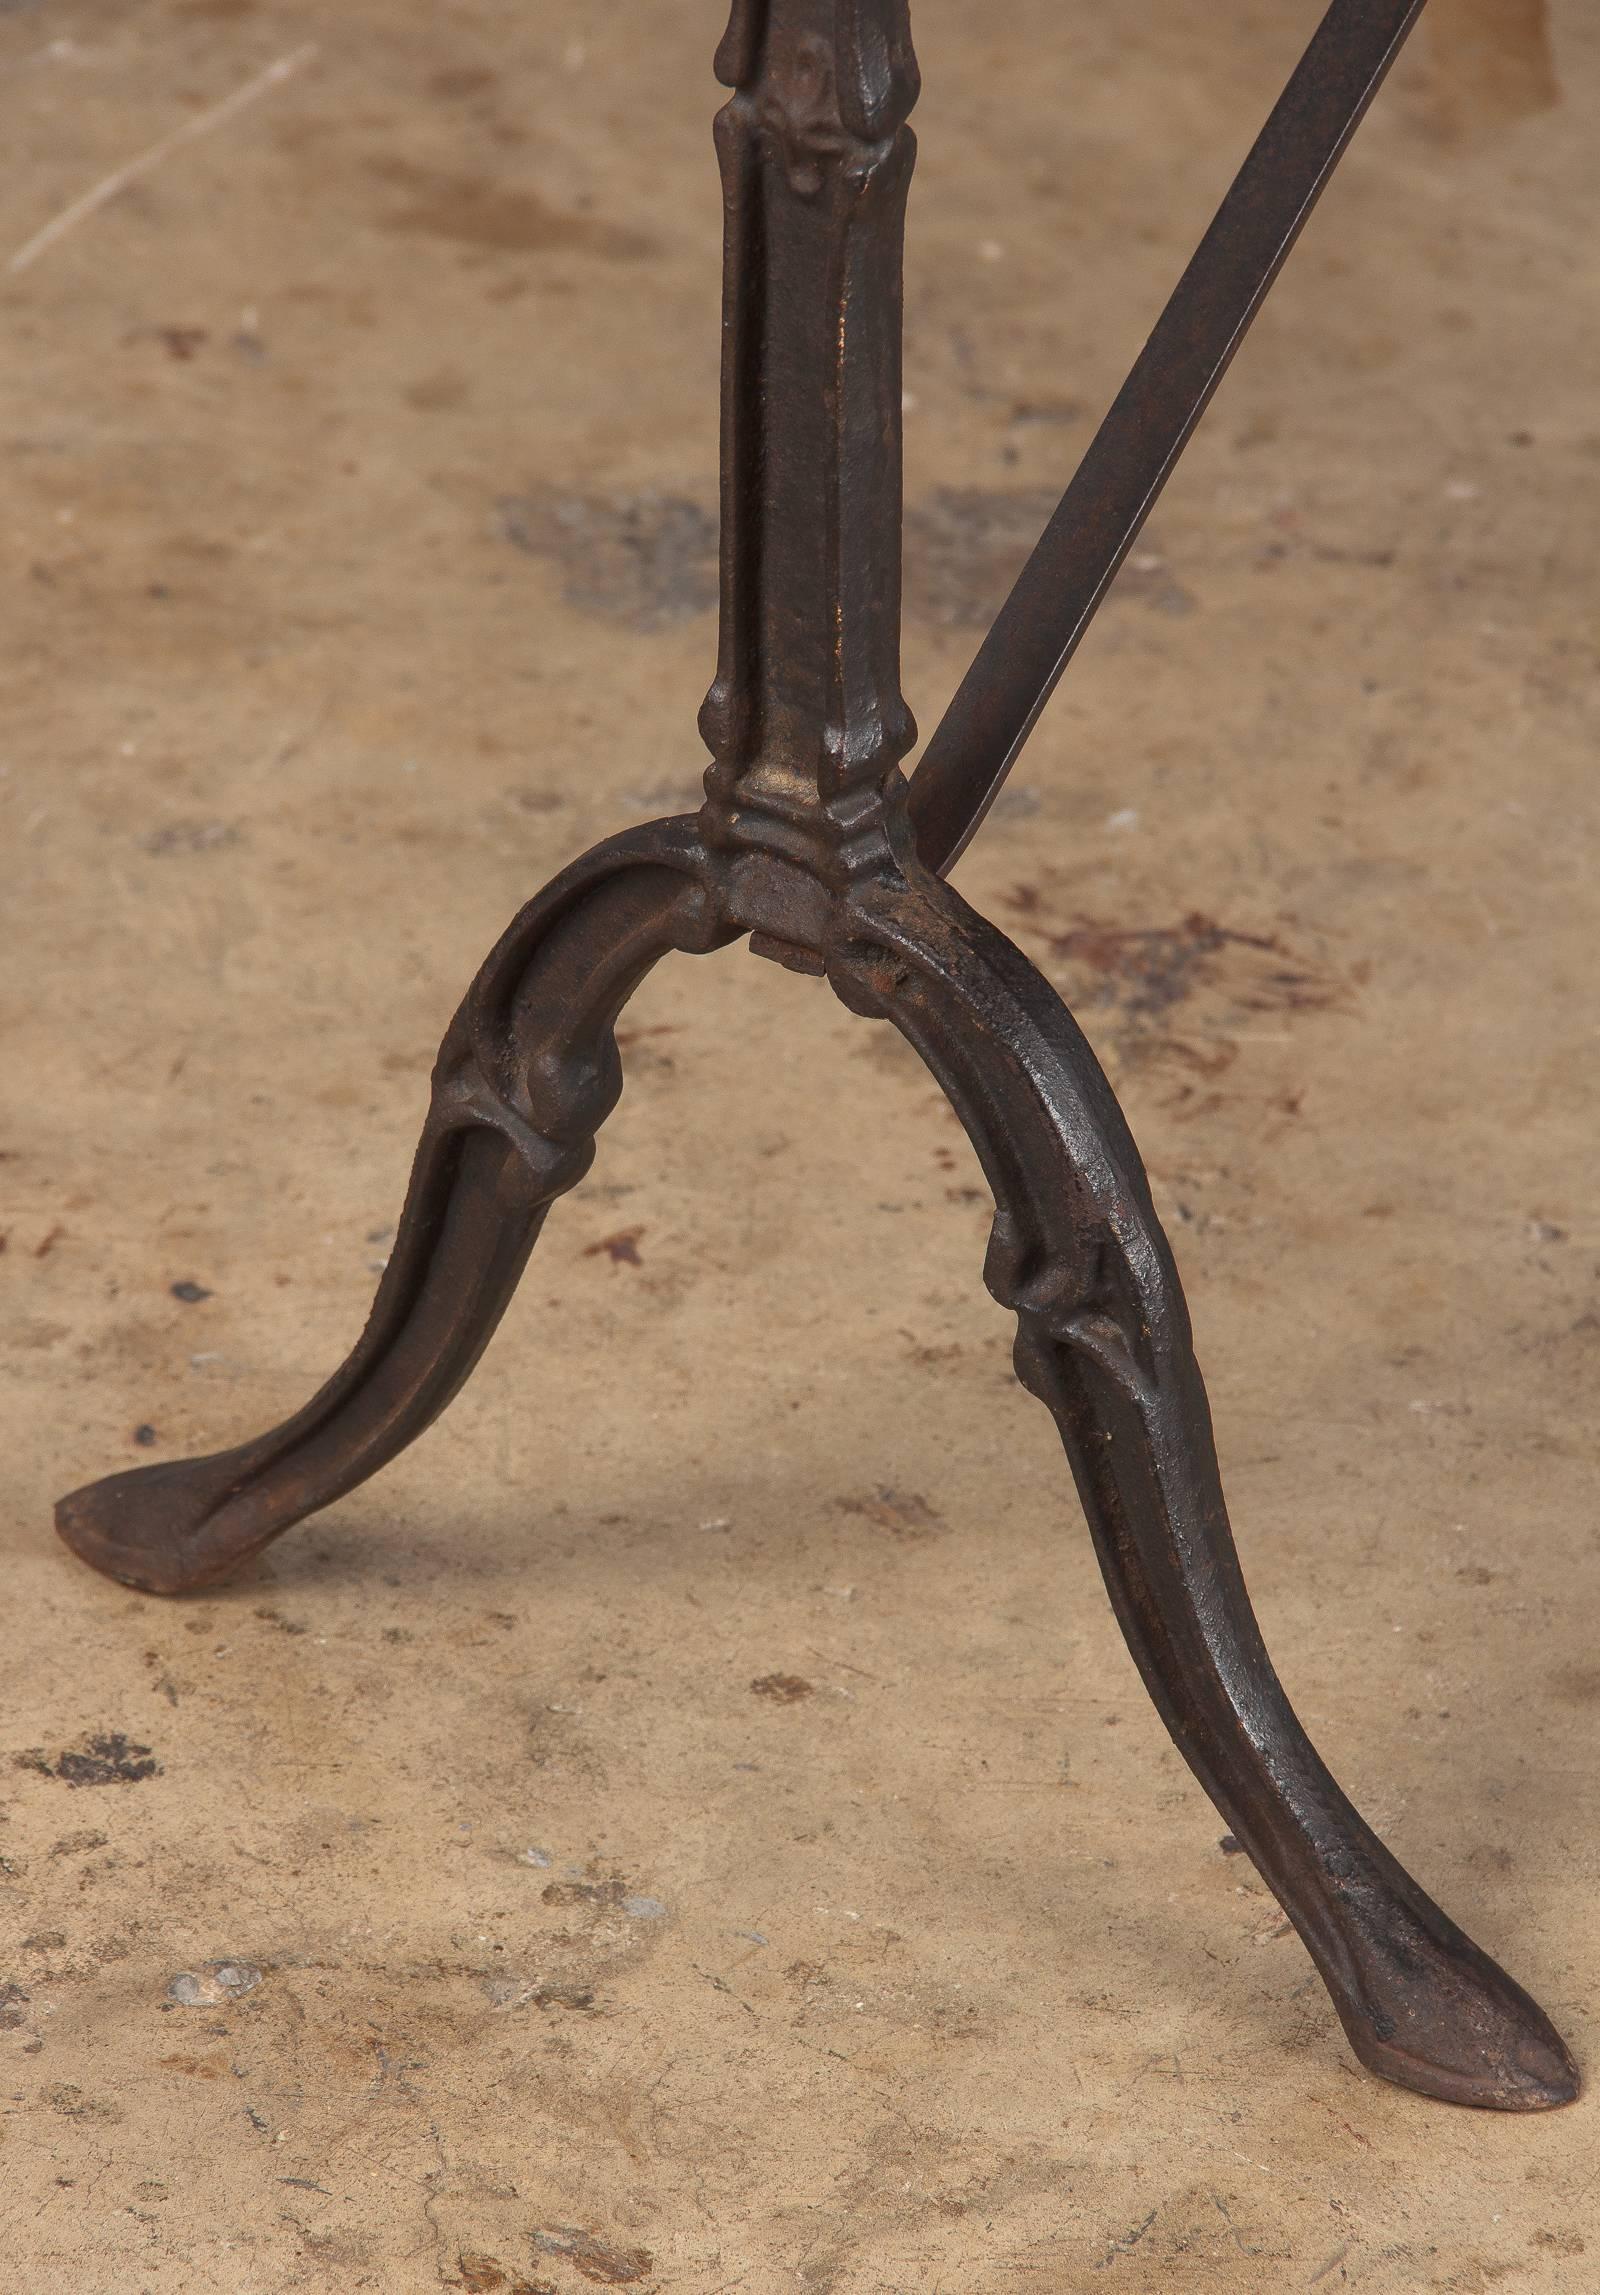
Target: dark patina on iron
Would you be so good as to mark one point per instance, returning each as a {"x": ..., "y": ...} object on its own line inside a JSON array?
[{"x": 813, "y": 843}]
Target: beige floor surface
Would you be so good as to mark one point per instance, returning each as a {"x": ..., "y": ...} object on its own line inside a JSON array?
[{"x": 441, "y": 1905}]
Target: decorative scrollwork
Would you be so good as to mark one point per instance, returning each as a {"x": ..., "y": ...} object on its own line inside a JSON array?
[
  {"x": 797, "y": 105},
  {"x": 824, "y": 91}
]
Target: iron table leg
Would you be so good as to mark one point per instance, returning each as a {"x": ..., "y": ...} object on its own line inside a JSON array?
[{"x": 812, "y": 841}]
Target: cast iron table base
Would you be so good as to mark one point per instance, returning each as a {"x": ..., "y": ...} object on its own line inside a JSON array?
[{"x": 812, "y": 842}]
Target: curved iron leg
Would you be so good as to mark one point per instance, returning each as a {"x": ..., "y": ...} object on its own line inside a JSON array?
[
  {"x": 525, "y": 1076},
  {"x": 1103, "y": 1340}
]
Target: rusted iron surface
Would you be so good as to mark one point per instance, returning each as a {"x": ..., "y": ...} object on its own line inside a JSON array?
[{"x": 811, "y": 842}]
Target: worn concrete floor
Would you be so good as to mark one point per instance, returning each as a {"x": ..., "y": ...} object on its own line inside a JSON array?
[{"x": 444, "y": 1904}]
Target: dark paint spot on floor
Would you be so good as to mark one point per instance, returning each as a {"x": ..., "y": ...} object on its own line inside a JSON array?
[
  {"x": 782, "y": 1688},
  {"x": 622, "y": 1249},
  {"x": 108, "y": 1758},
  {"x": 73, "y": 2104}
]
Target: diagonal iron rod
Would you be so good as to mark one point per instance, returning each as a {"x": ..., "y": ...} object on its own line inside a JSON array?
[{"x": 1132, "y": 454}]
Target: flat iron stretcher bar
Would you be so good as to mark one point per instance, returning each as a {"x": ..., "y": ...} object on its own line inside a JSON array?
[{"x": 1132, "y": 455}]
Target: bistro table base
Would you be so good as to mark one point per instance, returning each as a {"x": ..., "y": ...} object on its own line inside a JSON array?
[{"x": 812, "y": 842}]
